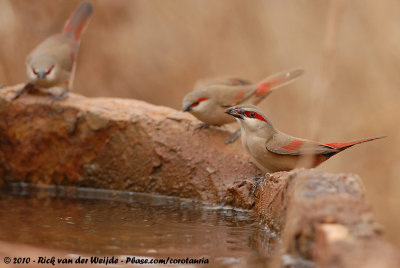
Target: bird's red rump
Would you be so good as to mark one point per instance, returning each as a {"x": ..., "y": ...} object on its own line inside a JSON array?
[{"x": 293, "y": 145}]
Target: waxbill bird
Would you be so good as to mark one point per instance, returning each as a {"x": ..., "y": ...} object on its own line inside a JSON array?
[
  {"x": 273, "y": 150},
  {"x": 52, "y": 62},
  {"x": 209, "y": 99}
]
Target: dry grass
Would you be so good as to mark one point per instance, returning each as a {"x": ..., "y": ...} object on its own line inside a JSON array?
[{"x": 156, "y": 50}]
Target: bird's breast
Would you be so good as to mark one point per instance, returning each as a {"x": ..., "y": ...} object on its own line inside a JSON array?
[
  {"x": 266, "y": 160},
  {"x": 216, "y": 117}
]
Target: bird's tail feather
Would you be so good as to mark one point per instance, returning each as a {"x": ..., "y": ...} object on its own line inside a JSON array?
[
  {"x": 275, "y": 81},
  {"x": 78, "y": 20},
  {"x": 344, "y": 145}
]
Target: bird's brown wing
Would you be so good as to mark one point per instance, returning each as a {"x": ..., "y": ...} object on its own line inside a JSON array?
[
  {"x": 229, "y": 96},
  {"x": 245, "y": 91},
  {"x": 224, "y": 81},
  {"x": 257, "y": 92},
  {"x": 281, "y": 143},
  {"x": 284, "y": 144},
  {"x": 232, "y": 81}
]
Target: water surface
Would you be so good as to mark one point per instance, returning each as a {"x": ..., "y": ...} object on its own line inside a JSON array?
[{"x": 97, "y": 222}]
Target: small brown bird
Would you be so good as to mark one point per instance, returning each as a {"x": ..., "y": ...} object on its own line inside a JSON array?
[
  {"x": 208, "y": 101},
  {"x": 273, "y": 150},
  {"x": 52, "y": 62}
]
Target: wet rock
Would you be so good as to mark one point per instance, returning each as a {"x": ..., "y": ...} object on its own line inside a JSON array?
[{"x": 240, "y": 194}]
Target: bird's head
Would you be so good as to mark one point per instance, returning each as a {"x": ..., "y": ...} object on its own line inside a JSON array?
[
  {"x": 249, "y": 117},
  {"x": 197, "y": 102},
  {"x": 42, "y": 68}
]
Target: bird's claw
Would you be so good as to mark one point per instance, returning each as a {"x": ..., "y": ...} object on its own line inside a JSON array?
[
  {"x": 247, "y": 179},
  {"x": 28, "y": 86},
  {"x": 203, "y": 126},
  {"x": 233, "y": 137},
  {"x": 257, "y": 181},
  {"x": 62, "y": 96}
]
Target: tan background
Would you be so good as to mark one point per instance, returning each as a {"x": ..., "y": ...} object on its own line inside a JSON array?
[{"x": 155, "y": 51}]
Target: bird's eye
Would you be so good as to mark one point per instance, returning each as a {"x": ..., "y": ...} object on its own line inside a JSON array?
[
  {"x": 252, "y": 114},
  {"x": 198, "y": 102}
]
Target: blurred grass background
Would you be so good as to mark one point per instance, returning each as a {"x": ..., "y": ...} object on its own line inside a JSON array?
[{"x": 156, "y": 50}]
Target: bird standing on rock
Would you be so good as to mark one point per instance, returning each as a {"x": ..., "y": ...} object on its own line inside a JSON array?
[
  {"x": 52, "y": 62},
  {"x": 273, "y": 150},
  {"x": 208, "y": 101}
]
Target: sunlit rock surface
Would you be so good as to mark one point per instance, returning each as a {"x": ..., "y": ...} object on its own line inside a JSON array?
[{"x": 120, "y": 144}]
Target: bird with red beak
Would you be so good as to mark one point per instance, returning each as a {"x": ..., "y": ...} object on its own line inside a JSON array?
[
  {"x": 52, "y": 63},
  {"x": 209, "y": 99},
  {"x": 273, "y": 150}
]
